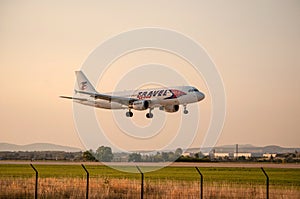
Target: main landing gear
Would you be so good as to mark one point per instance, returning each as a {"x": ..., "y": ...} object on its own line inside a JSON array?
[
  {"x": 129, "y": 113},
  {"x": 149, "y": 115}
]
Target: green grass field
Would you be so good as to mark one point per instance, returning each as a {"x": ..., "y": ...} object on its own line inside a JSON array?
[
  {"x": 280, "y": 176},
  {"x": 57, "y": 180}
]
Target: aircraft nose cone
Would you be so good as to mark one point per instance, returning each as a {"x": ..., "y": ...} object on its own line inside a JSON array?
[{"x": 200, "y": 96}]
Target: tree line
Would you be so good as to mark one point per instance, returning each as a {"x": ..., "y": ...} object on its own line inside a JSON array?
[{"x": 105, "y": 154}]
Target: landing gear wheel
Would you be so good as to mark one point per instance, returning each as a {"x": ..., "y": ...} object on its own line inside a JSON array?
[
  {"x": 184, "y": 109},
  {"x": 149, "y": 115},
  {"x": 129, "y": 114}
]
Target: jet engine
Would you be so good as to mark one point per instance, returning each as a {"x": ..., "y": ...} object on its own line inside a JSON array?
[
  {"x": 171, "y": 108},
  {"x": 140, "y": 105}
]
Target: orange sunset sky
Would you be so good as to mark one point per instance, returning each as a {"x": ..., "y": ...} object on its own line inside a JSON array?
[{"x": 255, "y": 46}]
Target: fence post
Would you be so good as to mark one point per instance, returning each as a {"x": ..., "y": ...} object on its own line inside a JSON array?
[
  {"x": 36, "y": 182},
  {"x": 142, "y": 183},
  {"x": 267, "y": 186},
  {"x": 201, "y": 182},
  {"x": 87, "y": 181}
]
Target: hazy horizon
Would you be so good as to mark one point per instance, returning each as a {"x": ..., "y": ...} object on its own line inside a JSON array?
[
  {"x": 226, "y": 145},
  {"x": 255, "y": 46}
]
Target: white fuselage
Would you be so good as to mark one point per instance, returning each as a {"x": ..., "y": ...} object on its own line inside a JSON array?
[
  {"x": 167, "y": 99},
  {"x": 157, "y": 97}
]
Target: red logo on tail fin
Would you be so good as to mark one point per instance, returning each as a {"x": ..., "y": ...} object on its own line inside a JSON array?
[{"x": 83, "y": 85}]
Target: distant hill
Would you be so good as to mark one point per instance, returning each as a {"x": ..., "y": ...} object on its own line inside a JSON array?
[
  {"x": 37, "y": 147},
  {"x": 247, "y": 148}
]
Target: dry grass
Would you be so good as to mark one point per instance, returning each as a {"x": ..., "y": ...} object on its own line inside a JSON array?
[{"x": 106, "y": 188}]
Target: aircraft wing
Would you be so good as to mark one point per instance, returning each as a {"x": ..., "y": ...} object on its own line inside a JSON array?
[{"x": 122, "y": 100}]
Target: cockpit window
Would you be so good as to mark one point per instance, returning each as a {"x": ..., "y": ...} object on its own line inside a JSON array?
[{"x": 193, "y": 90}]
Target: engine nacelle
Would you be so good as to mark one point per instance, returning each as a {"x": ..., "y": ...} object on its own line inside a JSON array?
[
  {"x": 171, "y": 108},
  {"x": 140, "y": 105}
]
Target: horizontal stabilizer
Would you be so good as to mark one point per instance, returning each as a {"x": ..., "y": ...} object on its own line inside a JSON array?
[{"x": 74, "y": 98}]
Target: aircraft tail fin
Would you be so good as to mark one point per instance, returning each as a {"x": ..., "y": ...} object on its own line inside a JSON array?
[{"x": 83, "y": 83}]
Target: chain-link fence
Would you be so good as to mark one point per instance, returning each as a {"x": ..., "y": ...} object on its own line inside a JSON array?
[{"x": 97, "y": 181}]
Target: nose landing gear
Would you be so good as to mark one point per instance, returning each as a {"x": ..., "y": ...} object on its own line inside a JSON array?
[{"x": 185, "y": 111}]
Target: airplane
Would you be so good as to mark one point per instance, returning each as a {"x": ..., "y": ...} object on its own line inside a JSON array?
[{"x": 166, "y": 99}]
